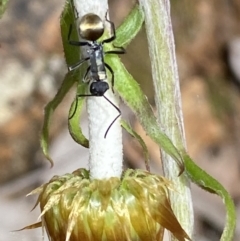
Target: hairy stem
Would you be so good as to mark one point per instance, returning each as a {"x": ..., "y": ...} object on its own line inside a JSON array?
[{"x": 168, "y": 101}]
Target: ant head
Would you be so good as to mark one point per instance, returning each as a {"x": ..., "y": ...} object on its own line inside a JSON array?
[{"x": 91, "y": 27}]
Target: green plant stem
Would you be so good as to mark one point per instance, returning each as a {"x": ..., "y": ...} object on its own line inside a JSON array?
[{"x": 168, "y": 101}]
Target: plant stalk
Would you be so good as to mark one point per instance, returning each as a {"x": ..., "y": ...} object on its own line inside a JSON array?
[{"x": 168, "y": 101}]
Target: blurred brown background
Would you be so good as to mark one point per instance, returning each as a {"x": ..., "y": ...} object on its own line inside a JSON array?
[{"x": 207, "y": 36}]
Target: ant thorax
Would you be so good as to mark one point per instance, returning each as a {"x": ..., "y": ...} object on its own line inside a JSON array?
[{"x": 97, "y": 66}]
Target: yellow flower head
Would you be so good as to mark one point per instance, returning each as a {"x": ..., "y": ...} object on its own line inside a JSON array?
[{"x": 133, "y": 208}]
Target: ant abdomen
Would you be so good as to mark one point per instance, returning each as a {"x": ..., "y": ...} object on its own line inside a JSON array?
[{"x": 91, "y": 27}]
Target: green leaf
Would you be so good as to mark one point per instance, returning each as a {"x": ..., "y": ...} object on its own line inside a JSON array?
[
  {"x": 74, "y": 118},
  {"x": 127, "y": 127},
  {"x": 72, "y": 56},
  {"x": 130, "y": 27},
  {"x": 68, "y": 82},
  {"x": 131, "y": 93},
  {"x": 72, "y": 53},
  {"x": 208, "y": 183}
]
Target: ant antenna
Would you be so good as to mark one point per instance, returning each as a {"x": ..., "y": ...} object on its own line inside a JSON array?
[{"x": 119, "y": 114}]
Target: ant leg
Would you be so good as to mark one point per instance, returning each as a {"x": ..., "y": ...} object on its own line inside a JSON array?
[
  {"x": 86, "y": 74},
  {"x": 77, "y": 96},
  {"x": 119, "y": 111},
  {"x": 112, "y": 73},
  {"x": 72, "y": 67},
  {"x": 113, "y": 31},
  {"x": 119, "y": 114},
  {"x": 118, "y": 50},
  {"x": 75, "y": 109},
  {"x": 73, "y": 42}
]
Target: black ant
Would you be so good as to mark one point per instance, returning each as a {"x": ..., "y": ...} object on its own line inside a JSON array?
[{"x": 91, "y": 28}]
